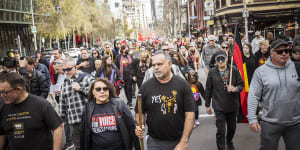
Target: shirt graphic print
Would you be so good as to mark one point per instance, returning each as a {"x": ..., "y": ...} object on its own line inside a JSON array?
[
  {"x": 169, "y": 103},
  {"x": 104, "y": 122}
]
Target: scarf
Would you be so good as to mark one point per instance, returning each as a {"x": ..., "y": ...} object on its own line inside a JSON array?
[
  {"x": 121, "y": 63},
  {"x": 110, "y": 53}
]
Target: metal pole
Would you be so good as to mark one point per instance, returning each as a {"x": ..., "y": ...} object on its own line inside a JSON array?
[
  {"x": 34, "y": 34},
  {"x": 189, "y": 22},
  {"x": 246, "y": 20}
]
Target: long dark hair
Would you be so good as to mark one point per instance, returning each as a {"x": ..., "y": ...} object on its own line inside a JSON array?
[
  {"x": 112, "y": 90},
  {"x": 250, "y": 48},
  {"x": 106, "y": 68},
  {"x": 98, "y": 57}
]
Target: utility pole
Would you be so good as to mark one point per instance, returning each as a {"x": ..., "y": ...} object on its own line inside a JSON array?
[
  {"x": 189, "y": 21},
  {"x": 245, "y": 15},
  {"x": 34, "y": 33},
  {"x": 179, "y": 16}
]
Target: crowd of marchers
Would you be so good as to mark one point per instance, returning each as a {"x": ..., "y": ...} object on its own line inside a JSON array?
[{"x": 43, "y": 99}]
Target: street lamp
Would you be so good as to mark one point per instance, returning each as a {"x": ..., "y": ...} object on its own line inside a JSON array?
[{"x": 33, "y": 28}]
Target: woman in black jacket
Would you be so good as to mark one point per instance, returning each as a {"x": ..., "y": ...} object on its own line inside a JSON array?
[
  {"x": 109, "y": 71},
  {"x": 107, "y": 122}
]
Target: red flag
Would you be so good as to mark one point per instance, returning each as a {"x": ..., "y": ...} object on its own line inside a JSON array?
[
  {"x": 238, "y": 60},
  {"x": 140, "y": 37}
]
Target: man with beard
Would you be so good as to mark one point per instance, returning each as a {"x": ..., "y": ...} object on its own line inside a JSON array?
[
  {"x": 275, "y": 86},
  {"x": 86, "y": 63},
  {"x": 169, "y": 105}
]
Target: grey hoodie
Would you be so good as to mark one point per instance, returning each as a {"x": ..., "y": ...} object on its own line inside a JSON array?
[{"x": 277, "y": 89}]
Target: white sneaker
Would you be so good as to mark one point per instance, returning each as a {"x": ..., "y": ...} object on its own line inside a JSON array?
[{"x": 197, "y": 123}]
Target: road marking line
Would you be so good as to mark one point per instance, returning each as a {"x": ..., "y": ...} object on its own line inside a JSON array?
[{"x": 205, "y": 115}]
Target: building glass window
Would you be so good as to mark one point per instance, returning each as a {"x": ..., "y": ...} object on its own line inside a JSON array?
[
  {"x": 217, "y": 4},
  {"x": 223, "y": 3},
  {"x": 264, "y": 0},
  {"x": 236, "y": 1},
  {"x": 117, "y": 5}
]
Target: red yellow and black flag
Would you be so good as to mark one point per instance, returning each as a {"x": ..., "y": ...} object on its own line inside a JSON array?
[{"x": 238, "y": 60}]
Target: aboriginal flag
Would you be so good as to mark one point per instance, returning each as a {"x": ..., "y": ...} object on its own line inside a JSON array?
[{"x": 238, "y": 60}]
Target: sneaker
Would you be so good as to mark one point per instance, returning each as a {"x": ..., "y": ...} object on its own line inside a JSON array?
[
  {"x": 130, "y": 106},
  {"x": 197, "y": 123},
  {"x": 68, "y": 146}
]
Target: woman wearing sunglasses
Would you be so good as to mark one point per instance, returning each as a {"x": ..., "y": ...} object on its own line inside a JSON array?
[
  {"x": 107, "y": 121},
  {"x": 96, "y": 54}
]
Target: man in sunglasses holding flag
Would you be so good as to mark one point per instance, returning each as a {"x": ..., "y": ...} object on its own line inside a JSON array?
[
  {"x": 276, "y": 87},
  {"x": 224, "y": 97},
  {"x": 73, "y": 97}
]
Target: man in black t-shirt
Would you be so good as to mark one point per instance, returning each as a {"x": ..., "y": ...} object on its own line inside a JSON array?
[
  {"x": 86, "y": 63},
  {"x": 169, "y": 104},
  {"x": 27, "y": 120}
]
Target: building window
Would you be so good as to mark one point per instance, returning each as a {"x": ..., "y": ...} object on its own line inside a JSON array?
[
  {"x": 236, "y": 1},
  {"x": 223, "y": 3},
  {"x": 117, "y": 5},
  {"x": 264, "y": 0},
  {"x": 217, "y": 4}
]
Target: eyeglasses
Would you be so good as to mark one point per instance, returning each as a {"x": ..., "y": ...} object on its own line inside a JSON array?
[
  {"x": 225, "y": 47},
  {"x": 280, "y": 52},
  {"x": 94, "y": 53},
  {"x": 4, "y": 93},
  {"x": 106, "y": 47},
  {"x": 68, "y": 69},
  {"x": 99, "y": 89},
  {"x": 219, "y": 59}
]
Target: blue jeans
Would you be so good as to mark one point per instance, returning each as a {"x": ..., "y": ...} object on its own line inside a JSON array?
[{"x": 67, "y": 131}]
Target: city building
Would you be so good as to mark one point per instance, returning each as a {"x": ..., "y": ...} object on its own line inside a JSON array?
[
  {"x": 277, "y": 16},
  {"x": 15, "y": 23}
]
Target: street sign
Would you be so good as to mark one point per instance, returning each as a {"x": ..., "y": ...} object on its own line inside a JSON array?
[
  {"x": 206, "y": 17},
  {"x": 208, "y": 5},
  {"x": 33, "y": 29},
  {"x": 193, "y": 17}
]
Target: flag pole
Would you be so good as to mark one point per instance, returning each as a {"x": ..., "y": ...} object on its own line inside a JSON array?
[{"x": 231, "y": 53}]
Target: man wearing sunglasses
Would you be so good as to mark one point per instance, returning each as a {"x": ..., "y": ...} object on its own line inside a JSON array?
[
  {"x": 73, "y": 96},
  {"x": 224, "y": 98},
  {"x": 275, "y": 86},
  {"x": 26, "y": 120}
]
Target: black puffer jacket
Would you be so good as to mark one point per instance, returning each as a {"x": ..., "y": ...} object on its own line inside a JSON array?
[
  {"x": 37, "y": 84},
  {"x": 125, "y": 123}
]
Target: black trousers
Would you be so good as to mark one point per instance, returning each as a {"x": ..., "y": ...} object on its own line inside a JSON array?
[
  {"x": 225, "y": 120},
  {"x": 128, "y": 90}
]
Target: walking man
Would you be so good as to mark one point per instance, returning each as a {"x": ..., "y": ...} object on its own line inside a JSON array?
[
  {"x": 169, "y": 105},
  {"x": 225, "y": 98},
  {"x": 274, "y": 85},
  {"x": 26, "y": 119},
  {"x": 73, "y": 97}
]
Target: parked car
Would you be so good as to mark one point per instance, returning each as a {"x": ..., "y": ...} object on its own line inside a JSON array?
[{"x": 74, "y": 52}]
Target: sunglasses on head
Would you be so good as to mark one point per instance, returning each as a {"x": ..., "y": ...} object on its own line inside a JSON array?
[
  {"x": 219, "y": 59},
  {"x": 104, "y": 89},
  {"x": 280, "y": 52},
  {"x": 68, "y": 69}
]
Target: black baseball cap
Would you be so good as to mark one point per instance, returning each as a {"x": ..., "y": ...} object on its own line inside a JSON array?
[{"x": 277, "y": 43}]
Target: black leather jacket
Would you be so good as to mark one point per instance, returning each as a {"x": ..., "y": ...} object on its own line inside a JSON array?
[{"x": 125, "y": 123}]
